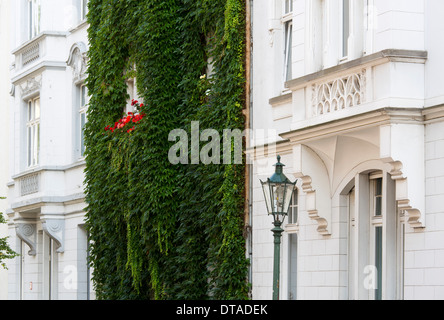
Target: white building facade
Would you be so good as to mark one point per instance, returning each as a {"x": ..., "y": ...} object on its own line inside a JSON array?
[
  {"x": 45, "y": 187},
  {"x": 4, "y": 128},
  {"x": 350, "y": 94}
]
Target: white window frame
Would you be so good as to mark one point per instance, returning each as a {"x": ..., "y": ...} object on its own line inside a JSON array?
[
  {"x": 33, "y": 18},
  {"x": 292, "y": 280},
  {"x": 376, "y": 224},
  {"x": 33, "y": 110},
  {"x": 292, "y": 229},
  {"x": 375, "y": 262},
  {"x": 83, "y": 9},
  {"x": 132, "y": 93},
  {"x": 287, "y": 21},
  {"x": 346, "y": 9},
  {"x": 369, "y": 20},
  {"x": 21, "y": 282},
  {"x": 82, "y": 109},
  {"x": 49, "y": 268},
  {"x": 294, "y": 208}
]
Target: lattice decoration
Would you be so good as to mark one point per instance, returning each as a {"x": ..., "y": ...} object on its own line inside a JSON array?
[
  {"x": 31, "y": 54},
  {"x": 339, "y": 94},
  {"x": 29, "y": 184}
]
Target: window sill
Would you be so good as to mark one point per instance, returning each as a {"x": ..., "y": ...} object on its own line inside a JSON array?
[{"x": 292, "y": 228}]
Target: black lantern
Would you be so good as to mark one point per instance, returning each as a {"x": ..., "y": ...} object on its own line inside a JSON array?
[{"x": 278, "y": 191}]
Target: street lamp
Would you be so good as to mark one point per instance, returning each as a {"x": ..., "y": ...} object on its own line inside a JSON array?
[{"x": 278, "y": 191}]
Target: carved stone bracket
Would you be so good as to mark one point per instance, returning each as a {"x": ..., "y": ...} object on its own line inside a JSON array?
[
  {"x": 407, "y": 168},
  {"x": 311, "y": 205},
  {"x": 414, "y": 216},
  {"x": 311, "y": 171},
  {"x": 55, "y": 229},
  {"x": 27, "y": 233}
]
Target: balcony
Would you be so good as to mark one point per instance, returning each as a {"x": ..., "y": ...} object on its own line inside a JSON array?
[
  {"x": 44, "y": 50},
  {"x": 380, "y": 80},
  {"x": 47, "y": 186}
]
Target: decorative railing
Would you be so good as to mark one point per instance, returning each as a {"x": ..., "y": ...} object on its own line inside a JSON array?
[
  {"x": 29, "y": 184},
  {"x": 338, "y": 94},
  {"x": 31, "y": 54}
]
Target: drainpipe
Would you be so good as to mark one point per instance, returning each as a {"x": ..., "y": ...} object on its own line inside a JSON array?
[{"x": 248, "y": 125}]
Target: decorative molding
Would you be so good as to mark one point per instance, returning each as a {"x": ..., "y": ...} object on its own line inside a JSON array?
[
  {"x": 55, "y": 228},
  {"x": 310, "y": 203},
  {"x": 384, "y": 56},
  {"x": 27, "y": 233},
  {"x": 407, "y": 168},
  {"x": 338, "y": 94},
  {"x": 29, "y": 184},
  {"x": 310, "y": 170},
  {"x": 78, "y": 61},
  {"x": 30, "y": 54},
  {"x": 31, "y": 86},
  {"x": 282, "y": 99},
  {"x": 413, "y": 216}
]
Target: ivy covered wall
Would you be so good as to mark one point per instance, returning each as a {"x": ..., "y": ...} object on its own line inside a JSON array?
[{"x": 160, "y": 230}]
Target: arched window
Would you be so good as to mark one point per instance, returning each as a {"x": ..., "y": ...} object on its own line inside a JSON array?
[{"x": 78, "y": 61}]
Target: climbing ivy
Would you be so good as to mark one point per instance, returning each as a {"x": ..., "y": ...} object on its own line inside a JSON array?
[{"x": 160, "y": 230}]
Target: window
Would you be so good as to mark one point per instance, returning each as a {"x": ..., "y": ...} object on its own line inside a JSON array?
[
  {"x": 345, "y": 26},
  {"x": 292, "y": 266},
  {"x": 33, "y": 18},
  {"x": 288, "y": 35},
  {"x": 83, "y": 9},
  {"x": 292, "y": 230},
  {"x": 83, "y": 101},
  {"x": 50, "y": 269},
  {"x": 22, "y": 270},
  {"x": 83, "y": 282},
  {"x": 33, "y": 132},
  {"x": 369, "y": 23},
  {"x": 375, "y": 238},
  {"x": 376, "y": 226},
  {"x": 132, "y": 93},
  {"x": 293, "y": 211}
]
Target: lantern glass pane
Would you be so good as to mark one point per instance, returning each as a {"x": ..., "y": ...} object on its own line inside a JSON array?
[
  {"x": 288, "y": 194},
  {"x": 278, "y": 197},
  {"x": 266, "y": 189}
]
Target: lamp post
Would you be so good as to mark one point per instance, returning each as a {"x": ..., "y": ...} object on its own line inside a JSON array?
[{"x": 278, "y": 190}]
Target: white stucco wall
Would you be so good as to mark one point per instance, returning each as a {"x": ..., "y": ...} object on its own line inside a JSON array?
[
  {"x": 406, "y": 142},
  {"x": 4, "y": 126},
  {"x": 58, "y": 198}
]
